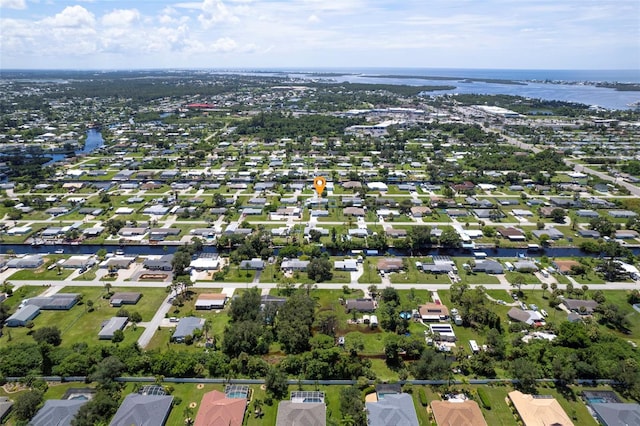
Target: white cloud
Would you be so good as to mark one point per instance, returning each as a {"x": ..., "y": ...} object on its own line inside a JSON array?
[
  {"x": 313, "y": 19},
  {"x": 120, "y": 18},
  {"x": 13, "y": 4},
  {"x": 71, "y": 17},
  {"x": 214, "y": 12}
]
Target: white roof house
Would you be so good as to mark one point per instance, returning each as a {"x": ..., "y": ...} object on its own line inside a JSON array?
[
  {"x": 378, "y": 186},
  {"x": 205, "y": 263},
  {"x": 124, "y": 210}
]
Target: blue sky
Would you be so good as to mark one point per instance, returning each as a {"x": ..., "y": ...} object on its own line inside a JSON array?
[{"x": 114, "y": 34}]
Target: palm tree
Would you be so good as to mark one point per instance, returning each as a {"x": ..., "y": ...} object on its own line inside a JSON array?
[
  {"x": 518, "y": 281},
  {"x": 544, "y": 286},
  {"x": 188, "y": 415},
  {"x": 206, "y": 328}
]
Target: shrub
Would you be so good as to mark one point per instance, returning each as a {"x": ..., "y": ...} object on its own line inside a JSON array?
[
  {"x": 422, "y": 396},
  {"x": 484, "y": 398},
  {"x": 369, "y": 389}
]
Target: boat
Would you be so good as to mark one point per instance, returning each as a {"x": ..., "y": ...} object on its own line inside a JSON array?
[
  {"x": 533, "y": 247},
  {"x": 59, "y": 251},
  {"x": 119, "y": 252}
]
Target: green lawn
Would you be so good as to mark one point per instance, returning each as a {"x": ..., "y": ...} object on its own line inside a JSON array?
[
  {"x": 41, "y": 273},
  {"x": 79, "y": 325},
  {"x": 90, "y": 275},
  {"x": 478, "y": 278},
  {"x": 21, "y": 293},
  {"x": 370, "y": 275},
  {"x": 529, "y": 278},
  {"x": 590, "y": 278}
]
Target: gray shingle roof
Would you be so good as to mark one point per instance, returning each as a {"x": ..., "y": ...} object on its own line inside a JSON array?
[
  {"x": 396, "y": 410},
  {"x": 143, "y": 410},
  {"x": 57, "y": 412},
  {"x": 304, "y": 413}
]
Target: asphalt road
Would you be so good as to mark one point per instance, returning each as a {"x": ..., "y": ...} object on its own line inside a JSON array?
[
  {"x": 328, "y": 286},
  {"x": 152, "y": 326}
]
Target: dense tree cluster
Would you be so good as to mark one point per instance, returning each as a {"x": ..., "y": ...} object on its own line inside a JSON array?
[{"x": 272, "y": 126}]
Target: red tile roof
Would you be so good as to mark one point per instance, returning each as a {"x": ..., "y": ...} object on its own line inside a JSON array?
[{"x": 217, "y": 409}]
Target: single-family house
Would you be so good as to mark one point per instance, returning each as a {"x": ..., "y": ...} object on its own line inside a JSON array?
[
  {"x": 110, "y": 326},
  {"x": 93, "y": 232},
  {"x": 588, "y": 233},
  {"x": 388, "y": 264},
  {"x": 552, "y": 233},
  {"x": 211, "y": 301},
  {"x": 156, "y": 210},
  {"x": 255, "y": 264},
  {"x": 26, "y": 262},
  {"x": 57, "y": 211},
  {"x": 124, "y": 298},
  {"x": 616, "y": 413},
  {"x": 124, "y": 210},
  {"x": 133, "y": 231},
  {"x": 58, "y": 412},
  {"x": 624, "y": 214},
  {"x": 579, "y": 306},
  {"x": 395, "y": 233},
  {"x": 292, "y": 413},
  {"x": 626, "y": 234},
  {"x": 433, "y": 312},
  {"x": 162, "y": 263},
  {"x": 186, "y": 326},
  {"x": 294, "y": 265},
  {"x": 118, "y": 262},
  {"x": 535, "y": 411},
  {"x": 439, "y": 265},
  {"x": 528, "y": 317},
  {"x": 512, "y": 234},
  {"x": 143, "y": 410},
  {"x": 206, "y": 262},
  {"x": 548, "y": 211},
  {"x": 79, "y": 262},
  {"x": 522, "y": 212},
  {"x": 22, "y": 316},
  {"x": 458, "y": 413},
  {"x": 57, "y": 302},
  {"x": 566, "y": 203},
  {"x": 587, "y": 213},
  {"x": 216, "y": 408},
  {"x": 361, "y": 305},
  {"x": 420, "y": 211},
  {"x": 525, "y": 266},
  {"x": 488, "y": 267},
  {"x": 353, "y": 211},
  {"x": 346, "y": 265},
  {"x": 352, "y": 184},
  {"x": 393, "y": 409}
]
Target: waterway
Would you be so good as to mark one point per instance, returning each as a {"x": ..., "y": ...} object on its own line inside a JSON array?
[
  {"x": 93, "y": 141},
  {"x": 560, "y": 85}
]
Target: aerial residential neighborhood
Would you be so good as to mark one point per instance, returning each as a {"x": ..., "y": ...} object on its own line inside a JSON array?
[{"x": 248, "y": 250}]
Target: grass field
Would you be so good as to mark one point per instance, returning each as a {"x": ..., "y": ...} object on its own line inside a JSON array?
[
  {"x": 78, "y": 324},
  {"x": 42, "y": 273}
]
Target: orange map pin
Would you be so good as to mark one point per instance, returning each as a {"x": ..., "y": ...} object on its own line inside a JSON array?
[{"x": 319, "y": 184}]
